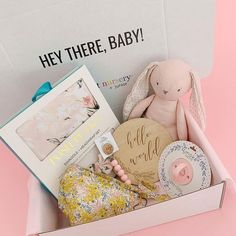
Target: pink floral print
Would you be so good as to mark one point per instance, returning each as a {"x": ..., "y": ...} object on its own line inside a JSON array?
[{"x": 48, "y": 128}]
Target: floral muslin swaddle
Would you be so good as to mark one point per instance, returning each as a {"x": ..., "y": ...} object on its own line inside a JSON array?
[{"x": 57, "y": 120}]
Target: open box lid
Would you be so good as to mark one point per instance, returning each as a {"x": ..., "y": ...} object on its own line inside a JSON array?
[{"x": 32, "y": 29}]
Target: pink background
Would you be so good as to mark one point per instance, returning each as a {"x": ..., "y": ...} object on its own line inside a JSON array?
[{"x": 219, "y": 90}]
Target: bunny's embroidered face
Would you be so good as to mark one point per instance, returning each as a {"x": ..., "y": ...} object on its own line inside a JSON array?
[{"x": 171, "y": 80}]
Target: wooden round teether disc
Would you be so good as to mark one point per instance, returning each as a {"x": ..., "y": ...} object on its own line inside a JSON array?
[{"x": 141, "y": 142}]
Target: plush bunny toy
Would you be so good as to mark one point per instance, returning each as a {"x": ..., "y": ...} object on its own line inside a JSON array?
[{"x": 169, "y": 80}]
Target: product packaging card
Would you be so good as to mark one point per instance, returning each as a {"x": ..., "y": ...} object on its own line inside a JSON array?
[
  {"x": 61, "y": 128},
  {"x": 44, "y": 40}
]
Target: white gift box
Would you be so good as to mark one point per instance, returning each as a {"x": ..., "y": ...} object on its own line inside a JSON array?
[
  {"x": 49, "y": 218},
  {"x": 36, "y": 38}
]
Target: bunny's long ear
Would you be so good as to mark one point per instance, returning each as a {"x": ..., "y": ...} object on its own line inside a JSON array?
[
  {"x": 139, "y": 91},
  {"x": 196, "y": 101}
]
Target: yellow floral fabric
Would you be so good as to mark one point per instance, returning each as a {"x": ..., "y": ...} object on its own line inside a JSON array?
[{"x": 85, "y": 196}]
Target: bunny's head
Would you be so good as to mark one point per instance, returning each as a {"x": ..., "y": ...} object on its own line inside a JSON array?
[{"x": 169, "y": 80}]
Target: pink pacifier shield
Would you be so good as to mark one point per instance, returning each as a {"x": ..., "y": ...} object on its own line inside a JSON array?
[
  {"x": 183, "y": 168},
  {"x": 181, "y": 171}
]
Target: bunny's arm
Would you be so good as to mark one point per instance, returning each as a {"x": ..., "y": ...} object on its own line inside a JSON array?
[
  {"x": 140, "y": 107},
  {"x": 182, "y": 128}
]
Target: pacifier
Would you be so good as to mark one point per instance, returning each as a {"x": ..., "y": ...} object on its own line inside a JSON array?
[
  {"x": 181, "y": 172},
  {"x": 183, "y": 168}
]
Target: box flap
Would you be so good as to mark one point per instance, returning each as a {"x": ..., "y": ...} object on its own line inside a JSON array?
[
  {"x": 33, "y": 32},
  {"x": 197, "y": 136}
]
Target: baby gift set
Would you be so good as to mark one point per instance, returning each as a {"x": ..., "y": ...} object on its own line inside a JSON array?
[{"x": 107, "y": 137}]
